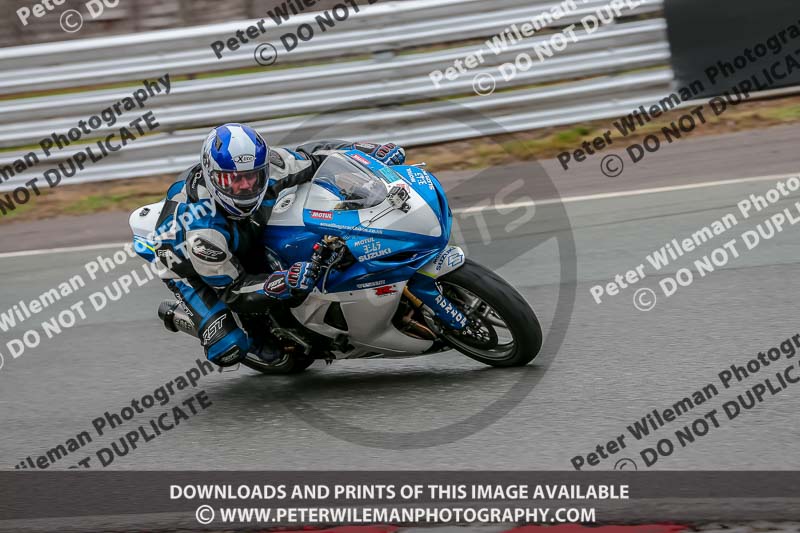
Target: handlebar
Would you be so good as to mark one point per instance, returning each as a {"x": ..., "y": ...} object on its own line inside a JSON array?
[{"x": 327, "y": 253}]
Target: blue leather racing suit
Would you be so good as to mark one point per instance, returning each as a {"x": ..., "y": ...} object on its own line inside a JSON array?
[{"x": 216, "y": 265}]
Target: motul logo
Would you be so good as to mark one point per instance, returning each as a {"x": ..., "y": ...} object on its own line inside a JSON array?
[{"x": 324, "y": 215}]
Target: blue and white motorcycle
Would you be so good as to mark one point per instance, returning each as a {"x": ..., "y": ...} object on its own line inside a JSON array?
[{"x": 390, "y": 284}]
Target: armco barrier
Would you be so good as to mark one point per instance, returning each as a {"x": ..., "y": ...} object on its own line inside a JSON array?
[{"x": 390, "y": 94}]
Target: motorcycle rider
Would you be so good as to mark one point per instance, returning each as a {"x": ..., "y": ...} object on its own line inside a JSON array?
[{"x": 216, "y": 263}]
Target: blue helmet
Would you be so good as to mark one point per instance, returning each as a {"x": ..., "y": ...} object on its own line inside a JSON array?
[{"x": 235, "y": 163}]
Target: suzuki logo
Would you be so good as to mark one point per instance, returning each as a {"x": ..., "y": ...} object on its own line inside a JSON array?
[{"x": 385, "y": 290}]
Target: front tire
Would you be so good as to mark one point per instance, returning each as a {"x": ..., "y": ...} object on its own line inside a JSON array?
[{"x": 491, "y": 304}]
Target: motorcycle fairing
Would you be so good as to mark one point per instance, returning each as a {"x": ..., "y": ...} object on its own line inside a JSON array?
[
  {"x": 386, "y": 243},
  {"x": 368, "y": 313},
  {"x": 446, "y": 261},
  {"x": 143, "y": 223}
]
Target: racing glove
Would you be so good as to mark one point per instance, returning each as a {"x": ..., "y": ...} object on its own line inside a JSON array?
[
  {"x": 300, "y": 277},
  {"x": 390, "y": 154}
]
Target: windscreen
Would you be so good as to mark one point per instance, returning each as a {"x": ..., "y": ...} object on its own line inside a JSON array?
[{"x": 345, "y": 186}]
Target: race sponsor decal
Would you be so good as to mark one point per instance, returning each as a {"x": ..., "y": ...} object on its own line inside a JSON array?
[
  {"x": 230, "y": 356},
  {"x": 372, "y": 246},
  {"x": 322, "y": 215},
  {"x": 276, "y": 159},
  {"x": 184, "y": 305},
  {"x": 244, "y": 158},
  {"x": 425, "y": 179},
  {"x": 420, "y": 177},
  {"x": 455, "y": 259},
  {"x": 207, "y": 251},
  {"x": 365, "y": 147},
  {"x": 389, "y": 175},
  {"x": 386, "y": 290},
  {"x": 439, "y": 263},
  {"x": 168, "y": 257},
  {"x": 194, "y": 180},
  {"x": 213, "y": 330},
  {"x": 374, "y": 255},
  {"x": 275, "y": 284},
  {"x": 362, "y": 242},
  {"x": 361, "y": 229},
  {"x": 361, "y": 159},
  {"x": 371, "y": 284},
  {"x": 448, "y": 308},
  {"x": 284, "y": 203},
  {"x": 451, "y": 255}
]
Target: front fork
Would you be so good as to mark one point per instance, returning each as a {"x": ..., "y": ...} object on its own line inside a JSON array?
[{"x": 422, "y": 286}]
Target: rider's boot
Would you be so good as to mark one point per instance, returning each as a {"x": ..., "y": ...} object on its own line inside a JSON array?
[{"x": 175, "y": 319}]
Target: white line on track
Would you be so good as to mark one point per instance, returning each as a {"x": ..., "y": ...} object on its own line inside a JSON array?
[
  {"x": 475, "y": 209},
  {"x": 623, "y": 194},
  {"x": 45, "y": 251}
]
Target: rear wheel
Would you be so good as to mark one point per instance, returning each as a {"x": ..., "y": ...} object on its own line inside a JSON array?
[{"x": 502, "y": 329}]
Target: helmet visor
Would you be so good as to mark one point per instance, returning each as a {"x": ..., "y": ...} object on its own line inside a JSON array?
[{"x": 241, "y": 185}]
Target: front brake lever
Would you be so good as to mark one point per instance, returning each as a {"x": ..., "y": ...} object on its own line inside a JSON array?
[{"x": 338, "y": 248}]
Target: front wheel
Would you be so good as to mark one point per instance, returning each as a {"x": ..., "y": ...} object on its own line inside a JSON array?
[{"x": 502, "y": 329}]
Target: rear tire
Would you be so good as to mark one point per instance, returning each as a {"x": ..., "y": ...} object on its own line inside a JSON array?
[{"x": 507, "y": 305}]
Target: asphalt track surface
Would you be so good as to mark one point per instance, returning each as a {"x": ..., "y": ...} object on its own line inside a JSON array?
[{"x": 615, "y": 365}]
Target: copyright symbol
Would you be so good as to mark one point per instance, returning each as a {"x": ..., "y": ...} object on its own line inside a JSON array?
[
  {"x": 204, "y": 514},
  {"x": 484, "y": 84},
  {"x": 612, "y": 166},
  {"x": 626, "y": 464},
  {"x": 644, "y": 299},
  {"x": 265, "y": 54},
  {"x": 71, "y": 20}
]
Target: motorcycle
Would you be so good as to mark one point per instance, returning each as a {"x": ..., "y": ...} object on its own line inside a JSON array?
[{"x": 390, "y": 284}]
